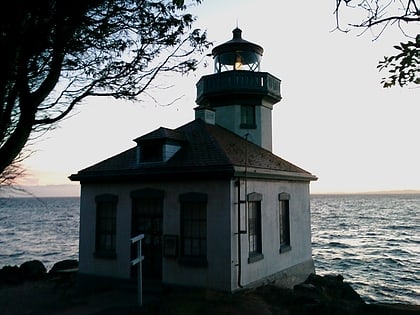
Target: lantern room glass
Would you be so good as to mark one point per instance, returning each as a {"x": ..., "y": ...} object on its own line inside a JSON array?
[{"x": 237, "y": 60}]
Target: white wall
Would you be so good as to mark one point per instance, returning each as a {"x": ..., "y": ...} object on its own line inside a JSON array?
[
  {"x": 229, "y": 117},
  {"x": 216, "y": 275},
  {"x": 88, "y": 264},
  {"x": 300, "y": 230},
  {"x": 222, "y": 242}
]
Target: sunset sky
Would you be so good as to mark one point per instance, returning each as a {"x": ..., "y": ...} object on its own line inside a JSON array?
[{"x": 335, "y": 119}]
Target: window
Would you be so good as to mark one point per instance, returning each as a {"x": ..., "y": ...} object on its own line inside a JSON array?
[
  {"x": 151, "y": 152},
  {"x": 254, "y": 227},
  {"x": 284, "y": 222},
  {"x": 194, "y": 229},
  {"x": 248, "y": 117},
  {"x": 106, "y": 226}
]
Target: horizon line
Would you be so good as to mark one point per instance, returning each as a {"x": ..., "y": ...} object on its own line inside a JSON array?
[{"x": 73, "y": 190}]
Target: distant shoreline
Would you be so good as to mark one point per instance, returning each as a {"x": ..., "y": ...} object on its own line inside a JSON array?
[{"x": 380, "y": 192}]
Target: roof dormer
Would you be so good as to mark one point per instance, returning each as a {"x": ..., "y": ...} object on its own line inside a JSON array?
[{"x": 158, "y": 146}]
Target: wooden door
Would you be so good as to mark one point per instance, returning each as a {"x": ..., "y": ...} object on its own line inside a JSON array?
[{"x": 147, "y": 219}]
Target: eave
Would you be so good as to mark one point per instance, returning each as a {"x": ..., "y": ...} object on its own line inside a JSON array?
[
  {"x": 155, "y": 174},
  {"x": 261, "y": 173}
]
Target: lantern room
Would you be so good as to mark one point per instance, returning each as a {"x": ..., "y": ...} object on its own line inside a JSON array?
[
  {"x": 238, "y": 96},
  {"x": 237, "y": 54}
]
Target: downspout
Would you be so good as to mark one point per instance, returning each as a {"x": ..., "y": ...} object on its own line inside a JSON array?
[
  {"x": 239, "y": 264},
  {"x": 240, "y": 232}
]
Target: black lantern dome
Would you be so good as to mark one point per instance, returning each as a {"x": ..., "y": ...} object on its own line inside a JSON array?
[
  {"x": 237, "y": 54},
  {"x": 228, "y": 86}
]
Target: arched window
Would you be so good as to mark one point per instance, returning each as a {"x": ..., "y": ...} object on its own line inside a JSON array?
[{"x": 106, "y": 226}]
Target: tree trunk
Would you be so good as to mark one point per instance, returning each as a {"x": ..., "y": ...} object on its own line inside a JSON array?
[{"x": 17, "y": 141}]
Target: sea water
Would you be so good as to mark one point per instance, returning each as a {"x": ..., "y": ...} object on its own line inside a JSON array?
[
  {"x": 45, "y": 229},
  {"x": 372, "y": 240}
]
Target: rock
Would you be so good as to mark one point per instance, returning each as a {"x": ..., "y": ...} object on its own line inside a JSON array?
[
  {"x": 11, "y": 275},
  {"x": 33, "y": 270},
  {"x": 330, "y": 294},
  {"x": 307, "y": 293},
  {"x": 333, "y": 287},
  {"x": 67, "y": 264}
]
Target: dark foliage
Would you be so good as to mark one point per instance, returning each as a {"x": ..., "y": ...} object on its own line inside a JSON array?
[
  {"x": 404, "y": 68},
  {"x": 57, "y": 53},
  {"x": 379, "y": 15}
]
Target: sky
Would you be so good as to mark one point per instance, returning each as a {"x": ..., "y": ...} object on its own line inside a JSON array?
[{"x": 335, "y": 120}]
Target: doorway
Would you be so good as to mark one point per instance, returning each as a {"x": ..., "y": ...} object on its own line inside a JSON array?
[{"x": 147, "y": 218}]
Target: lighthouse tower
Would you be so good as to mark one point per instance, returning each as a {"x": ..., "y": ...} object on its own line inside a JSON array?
[{"x": 238, "y": 96}]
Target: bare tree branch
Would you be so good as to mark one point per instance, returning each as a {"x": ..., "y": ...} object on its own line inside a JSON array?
[
  {"x": 61, "y": 52},
  {"x": 403, "y": 68}
]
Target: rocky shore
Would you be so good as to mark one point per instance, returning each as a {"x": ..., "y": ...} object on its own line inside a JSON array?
[
  {"x": 31, "y": 289},
  {"x": 34, "y": 270}
]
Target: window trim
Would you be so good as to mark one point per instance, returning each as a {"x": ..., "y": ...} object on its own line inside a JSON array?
[
  {"x": 257, "y": 255},
  {"x": 284, "y": 198},
  {"x": 99, "y": 252}
]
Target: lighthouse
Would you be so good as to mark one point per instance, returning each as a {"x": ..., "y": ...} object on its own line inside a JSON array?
[
  {"x": 238, "y": 96},
  {"x": 216, "y": 207}
]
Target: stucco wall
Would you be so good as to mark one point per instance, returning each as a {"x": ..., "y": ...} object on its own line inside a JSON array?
[
  {"x": 222, "y": 271},
  {"x": 229, "y": 117},
  {"x": 88, "y": 264},
  {"x": 300, "y": 232},
  {"x": 216, "y": 275}
]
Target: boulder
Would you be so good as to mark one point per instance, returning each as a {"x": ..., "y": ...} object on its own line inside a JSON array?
[
  {"x": 333, "y": 287},
  {"x": 33, "y": 270},
  {"x": 11, "y": 275},
  {"x": 330, "y": 295},
  {"x": 68, "y": 264}
]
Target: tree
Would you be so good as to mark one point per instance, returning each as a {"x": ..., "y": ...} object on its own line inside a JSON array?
[
  {"x": 403, "y": 67},
  {"x": 55, "y": 54}
]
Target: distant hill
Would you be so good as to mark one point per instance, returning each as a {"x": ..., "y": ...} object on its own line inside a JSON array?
[
  {"x": 65, "y": 190},
  {"x": 394, "y": 192}
]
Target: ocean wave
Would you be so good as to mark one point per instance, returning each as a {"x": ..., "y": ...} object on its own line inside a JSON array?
[{"x": 372, "y": 240}]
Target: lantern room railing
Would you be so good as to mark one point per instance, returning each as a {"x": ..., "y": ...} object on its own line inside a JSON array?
[{"x": 238, "y": 82}]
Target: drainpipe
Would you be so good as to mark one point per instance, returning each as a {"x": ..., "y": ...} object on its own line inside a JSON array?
[
  {"x": 239, "y": 202},
  {"x": 239, "y": 264},
  {"x": 240, "y": 232}
]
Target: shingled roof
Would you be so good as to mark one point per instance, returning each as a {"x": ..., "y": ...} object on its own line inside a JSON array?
[
  {"x": 162, "y": 133},
  {"x": 207, "y": 151}
]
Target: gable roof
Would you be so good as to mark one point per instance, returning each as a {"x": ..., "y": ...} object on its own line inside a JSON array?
[{"x": 207, "y": 151}]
